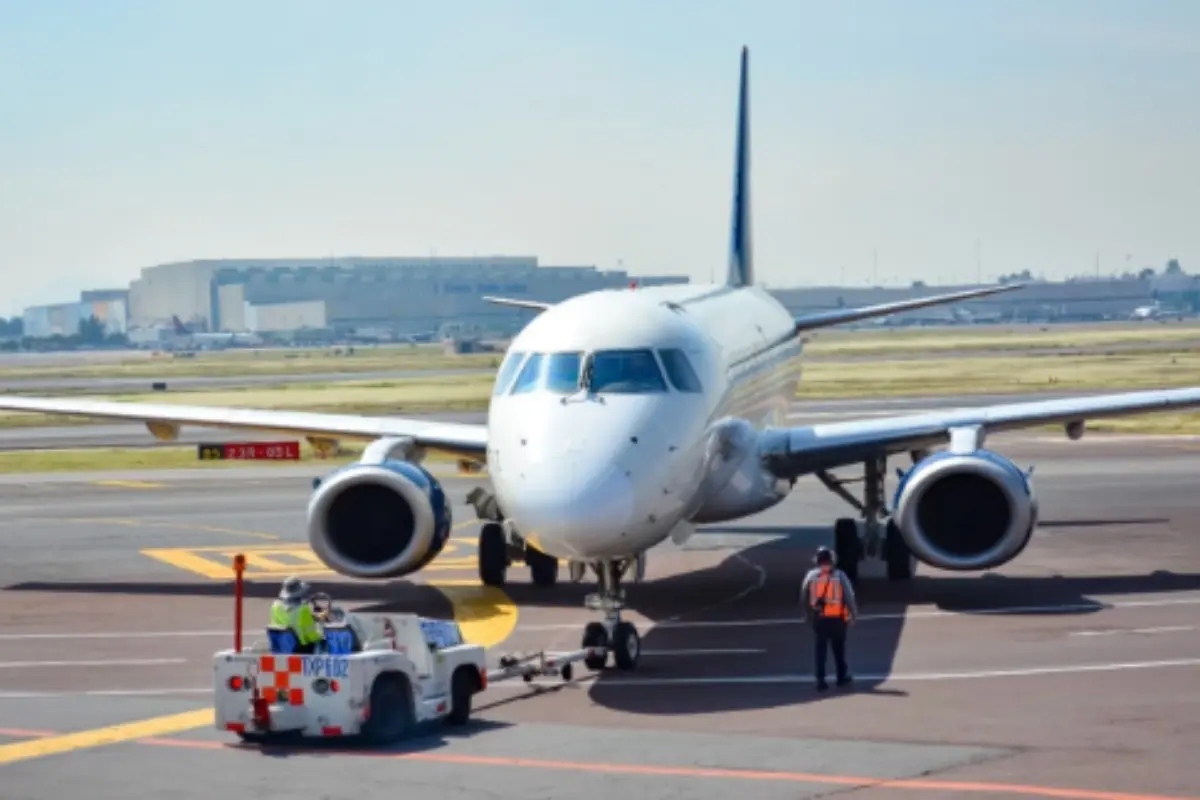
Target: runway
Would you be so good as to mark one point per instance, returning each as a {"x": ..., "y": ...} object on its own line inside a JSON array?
[
  {"x": 803, "y": 412},
  {"x": 1070, "y": 673}
]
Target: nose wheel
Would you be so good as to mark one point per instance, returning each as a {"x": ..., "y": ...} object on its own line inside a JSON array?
[{"x": 614, "y": 634}]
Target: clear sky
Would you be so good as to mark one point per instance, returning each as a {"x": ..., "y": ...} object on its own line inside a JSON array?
[{"x": 135, "y": 132}]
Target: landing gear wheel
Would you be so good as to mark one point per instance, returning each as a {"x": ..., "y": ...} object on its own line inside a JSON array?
[
  {"x": 848, "y": 547},
  {"x": 461, "y": 689},
  {"x": 493, "y": 555},
  {"x": 900, "y": 560},
  {"x": 542, "y": 567},
  {"x": 594, "y": 635},
  {"x": 627, "y": 645},
  {"x": 391, "y": 716}
]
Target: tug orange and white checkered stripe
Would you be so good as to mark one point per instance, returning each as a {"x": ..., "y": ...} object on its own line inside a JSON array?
[{"x": 275, "y": 678}]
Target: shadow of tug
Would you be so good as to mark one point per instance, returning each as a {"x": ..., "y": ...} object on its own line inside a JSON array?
[{"x": 758, "y": 584}]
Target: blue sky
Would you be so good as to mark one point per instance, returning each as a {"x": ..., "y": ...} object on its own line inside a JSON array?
[{"x": 134, "y": 132}]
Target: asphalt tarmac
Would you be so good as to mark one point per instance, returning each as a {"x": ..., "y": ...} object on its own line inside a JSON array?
[
  {"x": 806, "y": 411},
  {"x": 1071, "y": 673}
]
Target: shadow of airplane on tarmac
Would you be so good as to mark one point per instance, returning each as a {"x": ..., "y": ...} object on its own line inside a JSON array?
[{"x": 729, "y": 637}]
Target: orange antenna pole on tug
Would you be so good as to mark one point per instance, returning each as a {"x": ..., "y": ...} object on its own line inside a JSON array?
[{"x": 239, "y": 567}]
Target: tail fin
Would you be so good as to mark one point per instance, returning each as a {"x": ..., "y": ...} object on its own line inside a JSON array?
[{"x": 741, "y": 244}]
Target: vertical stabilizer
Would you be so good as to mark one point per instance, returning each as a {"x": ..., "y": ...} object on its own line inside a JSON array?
[{"x": 741, "y": 244}]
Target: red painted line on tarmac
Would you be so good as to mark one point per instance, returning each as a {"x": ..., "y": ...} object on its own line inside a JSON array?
[{"x": 650, "y": 770}]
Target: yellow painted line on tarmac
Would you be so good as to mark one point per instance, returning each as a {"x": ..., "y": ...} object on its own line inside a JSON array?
[
  {"x": 129, "y": 484},
  {"x": 273, "y": 561},
  {"x": 140, "y": 523},
  {"x": 100, "y": 737},
  {"x": 189, "y": 561},
  {"x": 486, "y": 615}
]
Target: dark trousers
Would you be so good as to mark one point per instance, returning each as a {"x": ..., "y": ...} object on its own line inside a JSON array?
[{"x": 830, "y": 632}]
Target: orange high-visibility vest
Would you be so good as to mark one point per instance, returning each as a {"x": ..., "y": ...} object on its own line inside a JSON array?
[{"x": 828, "y": 587}]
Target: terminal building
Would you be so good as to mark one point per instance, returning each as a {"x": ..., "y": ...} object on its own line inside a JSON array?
[
  {"x": 402, "y": 295},
  {"x": 1038, "y": 301}
]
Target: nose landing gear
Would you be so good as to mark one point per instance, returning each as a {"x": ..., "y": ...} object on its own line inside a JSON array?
[{"x": 612, "y": 633}]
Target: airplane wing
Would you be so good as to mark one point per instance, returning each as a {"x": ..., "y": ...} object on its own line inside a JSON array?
[
  {"x": 790, "y": 452},
  {"x": 508, "y": 301},
  {"x": 447, "y": 437},
  {"x": 843, "y": 315}
]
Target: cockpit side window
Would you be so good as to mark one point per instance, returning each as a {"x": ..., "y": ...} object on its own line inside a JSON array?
[
  {"x": 679, "y": 371},
  {"x": 554, "y": 372},
  {"x": 512, "y": 362},
  {"x": 624, "y": 372},
  {"x": 528, "y": 379}
]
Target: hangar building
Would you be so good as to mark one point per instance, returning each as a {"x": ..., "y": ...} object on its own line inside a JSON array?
[{"x": 405, "y": 295}]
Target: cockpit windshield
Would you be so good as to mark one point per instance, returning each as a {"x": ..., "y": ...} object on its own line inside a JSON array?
[
  {"x": 623, "y": 372},
  {"x": 553, "y": 372}
]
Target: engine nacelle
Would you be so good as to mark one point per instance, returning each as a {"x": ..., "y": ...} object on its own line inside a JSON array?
[
  {"x": 966, "y": 511},
  {"x": 382, "y": 520},
  {"x": 737, "y": 482}
]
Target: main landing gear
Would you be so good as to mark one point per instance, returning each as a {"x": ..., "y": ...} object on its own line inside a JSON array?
[
  {"x": 878, "y": 542},
  {"x": 500, "y": 547},
  {"x": 612, "y": 633}
]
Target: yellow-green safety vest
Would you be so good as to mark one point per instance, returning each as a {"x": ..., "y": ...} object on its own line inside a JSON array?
[{"x": 299, "y": 618}]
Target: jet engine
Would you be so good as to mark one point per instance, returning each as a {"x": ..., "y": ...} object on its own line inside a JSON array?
[
  {"x": 965, "y": 511},
  {"x": 382, "y": 520}
]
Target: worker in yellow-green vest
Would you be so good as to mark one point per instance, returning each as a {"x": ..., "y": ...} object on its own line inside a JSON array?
[{"x": 292, "y": 610}]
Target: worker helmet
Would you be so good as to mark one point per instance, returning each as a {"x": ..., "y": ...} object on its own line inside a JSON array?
[
  {"x": 294, "y": 590},
  {"x": 825, "y": 556}
]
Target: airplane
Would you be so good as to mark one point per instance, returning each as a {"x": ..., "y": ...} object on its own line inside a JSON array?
[
  {"x": 1155, "y": 311},
  {"x": 217, "y": 339},
  {"x": 622, "y": 418}
]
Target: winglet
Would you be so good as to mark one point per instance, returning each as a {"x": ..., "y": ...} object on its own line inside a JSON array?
[
  {"x": 741, "y": 241},
  {"x": 508, "y": 301}
]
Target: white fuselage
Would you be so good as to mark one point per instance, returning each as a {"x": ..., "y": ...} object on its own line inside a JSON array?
[{"x": 610, "y": 473}]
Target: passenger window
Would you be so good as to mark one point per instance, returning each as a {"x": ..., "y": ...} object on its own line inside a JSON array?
[
  {"x": 679, "y": 371},
  {"x": 625, "y": 372},
  {"x": 507, "y": 370}
]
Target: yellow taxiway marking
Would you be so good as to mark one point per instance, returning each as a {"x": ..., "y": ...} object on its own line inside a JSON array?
[
  {"x": 275, "y": 561},
  {"x": 141, "y": 523},
  {"x": 278, "y": 561},
  {"x": 99, "y": 737},
  {"x": 129, "y": 484},
  {"x": 486, "y": 615}
]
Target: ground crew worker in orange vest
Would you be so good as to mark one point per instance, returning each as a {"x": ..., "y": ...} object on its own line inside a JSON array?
[{"x": 828, "y": 595}]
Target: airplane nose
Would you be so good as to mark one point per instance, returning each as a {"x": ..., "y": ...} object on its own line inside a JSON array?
[{"x": 572, "y": 511}]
